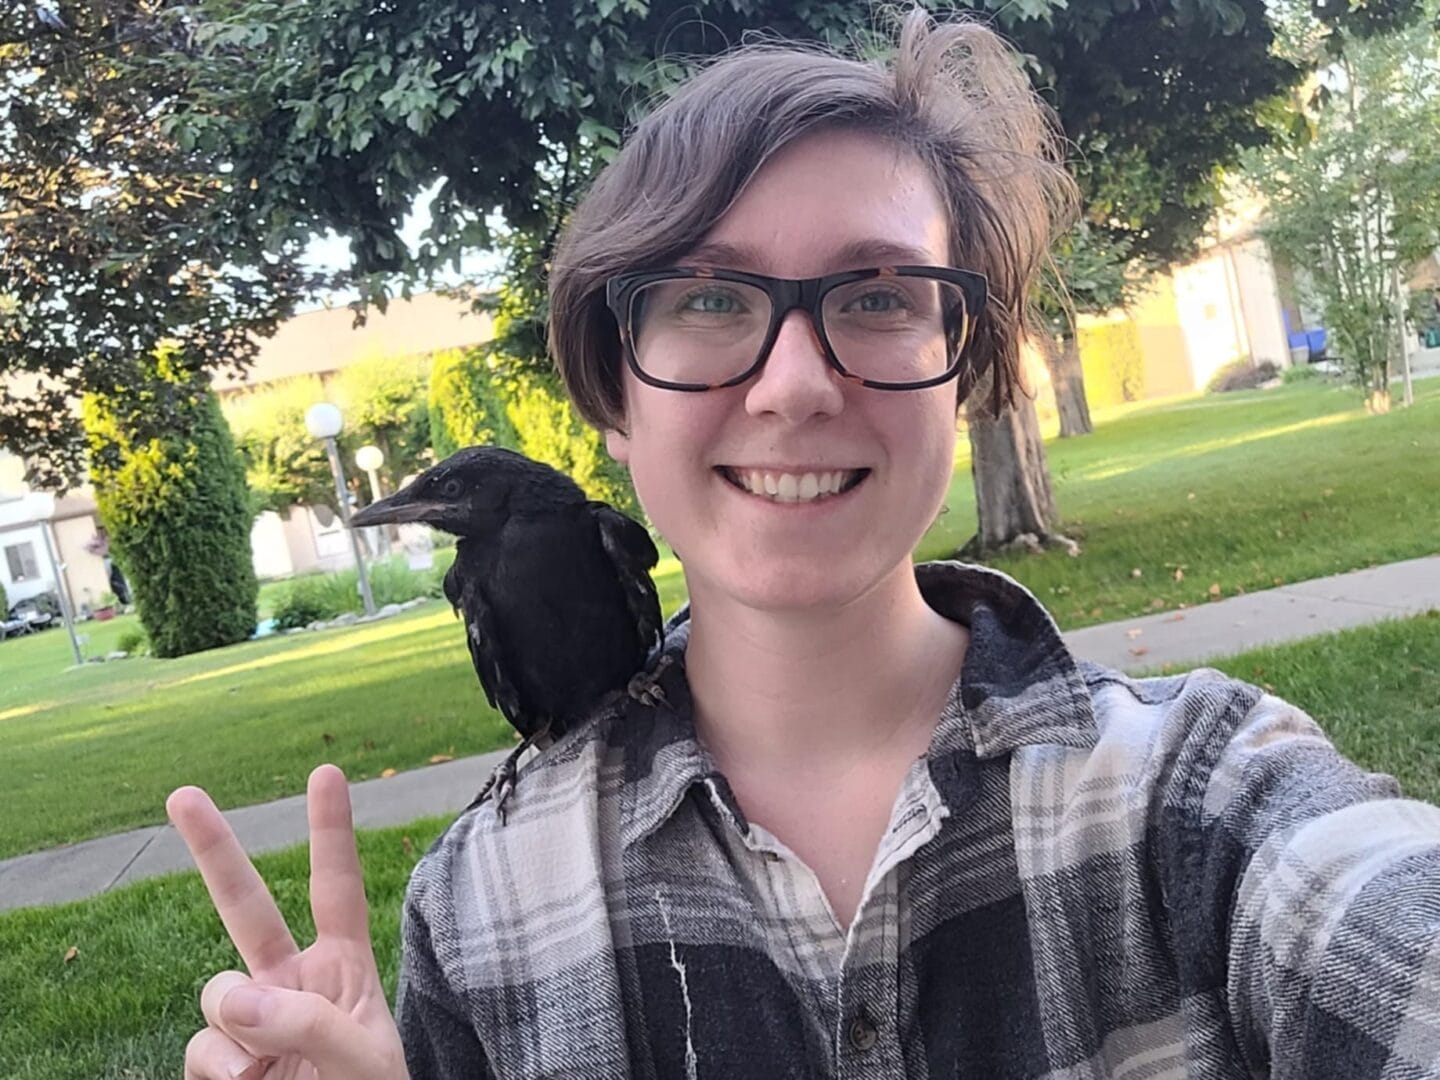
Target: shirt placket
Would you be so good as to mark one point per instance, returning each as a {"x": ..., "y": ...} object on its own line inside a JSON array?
[{"x": 867, "y": 1034}]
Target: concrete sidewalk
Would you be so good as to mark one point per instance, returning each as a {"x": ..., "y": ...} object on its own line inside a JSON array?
[{"x": 1184, "y": 638}]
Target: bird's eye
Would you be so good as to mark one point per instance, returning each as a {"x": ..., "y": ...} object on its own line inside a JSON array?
[{"x": 452, "y": 488}]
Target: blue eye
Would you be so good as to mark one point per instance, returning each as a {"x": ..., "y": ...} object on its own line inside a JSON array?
[
  {"x": 712, "y": 303},
  {"x": 876, "y": 302}
]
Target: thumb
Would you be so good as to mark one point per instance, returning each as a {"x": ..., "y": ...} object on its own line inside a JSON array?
[{"x": 272, "y": 1022}]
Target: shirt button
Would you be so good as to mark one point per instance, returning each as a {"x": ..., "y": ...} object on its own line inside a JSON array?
[{"x": 862, "y": 1033}]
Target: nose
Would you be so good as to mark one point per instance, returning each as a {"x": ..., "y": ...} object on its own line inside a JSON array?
[{"x": 796, "y": 381}]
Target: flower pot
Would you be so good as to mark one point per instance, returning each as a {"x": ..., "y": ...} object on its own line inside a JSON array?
[{"x": 104, "y": 614}]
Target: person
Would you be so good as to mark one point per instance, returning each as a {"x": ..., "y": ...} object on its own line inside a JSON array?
[
  {"x": 99, "y": 544},
  {"x": 877, "y": 821}
]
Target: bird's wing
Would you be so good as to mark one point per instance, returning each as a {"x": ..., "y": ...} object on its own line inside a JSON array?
[
  {"x": 633, "y": 553},
  {"x": 482, "y": 637}
]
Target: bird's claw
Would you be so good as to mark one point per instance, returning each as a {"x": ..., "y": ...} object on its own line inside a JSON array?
[{"x": 645, "y": 687}]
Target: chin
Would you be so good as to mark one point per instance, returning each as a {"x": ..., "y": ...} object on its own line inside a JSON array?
[{"x": 800, "y": 586}]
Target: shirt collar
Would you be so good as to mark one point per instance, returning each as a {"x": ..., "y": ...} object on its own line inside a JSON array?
[{"x": 1019, "y": 686}]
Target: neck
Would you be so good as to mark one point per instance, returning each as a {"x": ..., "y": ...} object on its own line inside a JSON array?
[{"x": 821, "y": 692}]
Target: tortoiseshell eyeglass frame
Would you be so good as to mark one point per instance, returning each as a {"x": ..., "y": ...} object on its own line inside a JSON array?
[{"x": 786, "y": 295}]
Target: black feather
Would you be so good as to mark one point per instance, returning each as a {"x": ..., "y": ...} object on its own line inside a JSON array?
[{"x": 555, "y": 592}]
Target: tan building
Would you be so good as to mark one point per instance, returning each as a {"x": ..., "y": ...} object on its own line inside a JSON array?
[{"x": 321, "y": 343}]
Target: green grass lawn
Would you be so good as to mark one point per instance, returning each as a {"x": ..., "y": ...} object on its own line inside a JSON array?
[
  {"x": 96, "y": 750},
  {"x": 1241, "y": 490},
  {"x": 1244, "y": 491},
  {"x": 125, "y": 1004}
]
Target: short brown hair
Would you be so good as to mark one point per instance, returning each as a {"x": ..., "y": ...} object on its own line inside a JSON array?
[{"x": 952, "y": 93}]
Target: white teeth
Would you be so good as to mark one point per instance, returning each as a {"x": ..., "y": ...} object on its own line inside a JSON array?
[{"x": 791, "y": 487}]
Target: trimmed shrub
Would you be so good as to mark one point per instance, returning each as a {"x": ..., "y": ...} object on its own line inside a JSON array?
[
  {"x": 324, "y": 596},
  {"x": 1300, "y": 373},
  {"x": 179, "y": 515},
  {"x": 550, "y": 431},
  {"x": 467, "y": 403},
  {"x": 474, "y": 400},
  {"x": 4, "y": 601},
  {"x": 134, "y": 642}
]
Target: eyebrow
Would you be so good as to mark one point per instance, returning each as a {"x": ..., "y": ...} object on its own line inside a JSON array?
[{"x": 852, "y": 255}]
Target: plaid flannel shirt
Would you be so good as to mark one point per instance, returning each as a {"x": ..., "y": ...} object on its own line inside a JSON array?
[{"x": 1086, "y": 876}]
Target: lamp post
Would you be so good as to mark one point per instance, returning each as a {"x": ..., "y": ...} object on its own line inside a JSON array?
[
  {"x": 324, "y": 422},
  {"x": 370, "y": 458}
]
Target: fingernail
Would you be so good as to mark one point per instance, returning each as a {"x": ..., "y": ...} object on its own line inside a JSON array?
[
  {"x": 244, "y": 1006},
  {"x": 240, "y": 1066}
]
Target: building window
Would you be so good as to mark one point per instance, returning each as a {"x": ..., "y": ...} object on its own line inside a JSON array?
[{"x": 20, "y": 558}]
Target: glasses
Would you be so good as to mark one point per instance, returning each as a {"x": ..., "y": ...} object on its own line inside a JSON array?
[{"x": 889, "y": 328}]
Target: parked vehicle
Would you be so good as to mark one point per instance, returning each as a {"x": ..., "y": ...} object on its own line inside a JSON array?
[{"x": 31, "y": 614}]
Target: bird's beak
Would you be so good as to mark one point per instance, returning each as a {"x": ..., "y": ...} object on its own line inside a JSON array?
[{"x": 397, "y": 509}]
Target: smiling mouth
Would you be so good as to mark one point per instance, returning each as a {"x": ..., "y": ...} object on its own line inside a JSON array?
[{"x": 787, "y": 487}]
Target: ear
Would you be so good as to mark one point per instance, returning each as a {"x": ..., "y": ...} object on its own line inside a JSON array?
[{"x": 618, "y": 444}]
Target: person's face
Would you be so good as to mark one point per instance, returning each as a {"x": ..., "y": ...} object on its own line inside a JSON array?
[{"x": 829, "y": 202}]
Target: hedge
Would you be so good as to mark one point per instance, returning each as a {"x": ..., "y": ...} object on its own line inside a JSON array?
[
  {"x": 474, "y": 401},
  {"x": 179, "y": 518}
]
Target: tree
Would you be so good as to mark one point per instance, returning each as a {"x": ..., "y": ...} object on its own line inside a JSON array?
[
  {"x": 1159, "y": 99},
  {"x": 285, "y": 465},
  {"x": 177, "y": 511},
  {"x": 1352, "y": 188},
  {"x": 116, "y": 229},
  {"x": 336, "y": 115},
  {"x": 383, "y": 401},
  {"x": 1090, "y": 273}
]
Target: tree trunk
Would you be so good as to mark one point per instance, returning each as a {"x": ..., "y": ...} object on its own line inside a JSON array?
[
  {"x": 1062, "y": 358},
  {"x": 1013, "y": 500}
]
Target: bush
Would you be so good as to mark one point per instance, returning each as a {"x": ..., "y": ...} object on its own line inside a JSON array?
[
  {"x": 134, "y": 642},
  {"x": 476, "y": 400},
  {"x": 467, "y": 403},
  {"x": 300, "y": 606},
  {"x": 1300, "y": 373},
  {"x": 324, "y": 596},
  {"x": 178, "y": 513},
  {"x": 1241, "y": 375},
  {"x": 4, "y": 601}
]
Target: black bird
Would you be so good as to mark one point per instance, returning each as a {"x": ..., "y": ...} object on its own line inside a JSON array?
[{"x": 560, "y": 612}]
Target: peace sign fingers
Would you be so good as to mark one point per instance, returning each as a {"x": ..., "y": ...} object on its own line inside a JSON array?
[
  {"x": 337, "y": 886},
  {"x": 239, "y": 894}
]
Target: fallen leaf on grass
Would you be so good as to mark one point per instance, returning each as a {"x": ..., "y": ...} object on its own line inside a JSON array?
[
  {"x": 407, "y": 845},
  {"x": 71, "y": 953},
  {"x": 1095, "y": 613},
  {"x": 1137, "y": 573},
  {"x": 436, "y": 759},
  {"x": 1190, "y": 496},
  {"x": 1139, "y": 650},
  {"x": 326, "y": 738},
  {"x": 1179, "y": 573},
  {"x": 385, "y": 774},
  {"x": 1214, "y": 589},
  {"x": 1157, "y": 603}
]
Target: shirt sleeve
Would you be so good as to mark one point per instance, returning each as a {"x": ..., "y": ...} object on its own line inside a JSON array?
[
  {"x": 439, "y": 1040},
  {"x": 1323, "y": 886}
]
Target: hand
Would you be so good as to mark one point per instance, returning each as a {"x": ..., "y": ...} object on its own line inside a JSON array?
[{"x": 316, "y": 1014}]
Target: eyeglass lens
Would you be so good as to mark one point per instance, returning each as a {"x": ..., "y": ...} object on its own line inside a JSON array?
[{"x": 885, "y": 329}]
